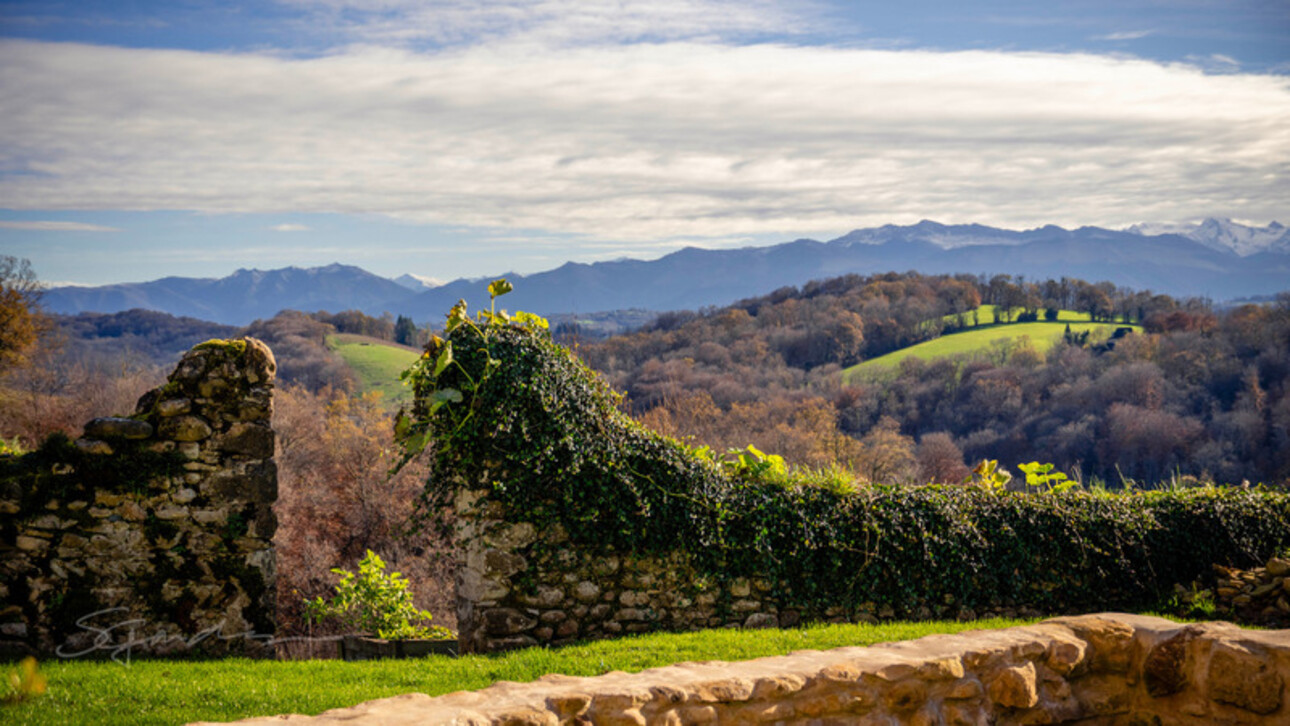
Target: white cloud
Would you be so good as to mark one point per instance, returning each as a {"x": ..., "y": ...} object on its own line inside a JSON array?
[
  {"x": 1124, "y": 35},
  {"x": 55, "y": 226},
  {"x": 287, "y": 227},
  {"x": 452, "y": 22},
  {"x": 645, "y": 142}
]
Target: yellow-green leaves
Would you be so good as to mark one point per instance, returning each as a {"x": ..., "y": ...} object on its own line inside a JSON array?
[
  {"x": 456, "y": 316},
  {"x": 25, "y": 682},
  {"x": 531, "y": 321},
  {"x": 499, "y": 287},
  {"x": 1038, "y": 475},
  {"x": 989, "y": 476}
]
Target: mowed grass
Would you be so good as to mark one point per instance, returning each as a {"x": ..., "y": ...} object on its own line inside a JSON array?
[
  {"x": 1042, "y": 337},
  {"x": 377, "y": 363},
  {"x": 169, "y": 692}
]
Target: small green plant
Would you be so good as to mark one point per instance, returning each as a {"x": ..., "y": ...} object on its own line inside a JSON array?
[
  {"x": 374, "y": 602},
  {"x": 24, "y": 683},
  {"x": 1193, "y": 601},
  {"x": 11, "y": 447},
  {"x": 989, "y": 476},
  {"x": 751, "y": 464},
  {"x": 1043, "y": 478},
  {"x": 833, "y": 478}
]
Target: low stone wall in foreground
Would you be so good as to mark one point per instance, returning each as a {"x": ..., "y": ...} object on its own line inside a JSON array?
[{"x": 1107, "y": 669}]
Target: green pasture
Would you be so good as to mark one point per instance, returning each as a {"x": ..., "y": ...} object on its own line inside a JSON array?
[
  {"x": 1041, "y": 336},
  {"x": 377, "y": 363},
  {"x": 169, "y": 691}
]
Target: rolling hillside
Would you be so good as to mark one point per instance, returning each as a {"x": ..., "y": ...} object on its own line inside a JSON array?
[
  {"x": 1041, "y": 335},
  {"x": 378, "y": 364}
]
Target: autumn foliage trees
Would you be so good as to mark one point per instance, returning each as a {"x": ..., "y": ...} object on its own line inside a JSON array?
[{"x": 1203, "y": 393}]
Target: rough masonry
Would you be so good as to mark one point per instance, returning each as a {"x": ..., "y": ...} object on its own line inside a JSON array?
[
  {"x": 1095, "y": 670},
  {"x": 154, "y": 532}
]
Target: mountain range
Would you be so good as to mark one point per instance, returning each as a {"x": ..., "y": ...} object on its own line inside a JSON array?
[{"x": 1218, "y": 258}]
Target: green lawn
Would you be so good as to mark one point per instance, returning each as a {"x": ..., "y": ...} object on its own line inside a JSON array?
[
  {"x": 168, "y": 692},
  {"x": 1042, "y": 335},
  {"x": 378, "y": 364}
]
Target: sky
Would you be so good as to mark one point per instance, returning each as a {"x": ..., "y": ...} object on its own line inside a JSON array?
[{"x": 466, "y": 138}]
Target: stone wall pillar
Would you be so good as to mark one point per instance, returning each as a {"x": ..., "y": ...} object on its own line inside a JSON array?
[{"x": 152, "y": 533}]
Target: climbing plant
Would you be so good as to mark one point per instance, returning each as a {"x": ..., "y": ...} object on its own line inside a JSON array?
[{"x": 505, "y": 411}]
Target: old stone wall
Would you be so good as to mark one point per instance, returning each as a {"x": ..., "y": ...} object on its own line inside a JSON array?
[
  {"x": 1095, "y": 670},
  {"x": 152, "y": 533},
  {"x": 518, "y": 587},
  {"x": 1260, "y": 595}
]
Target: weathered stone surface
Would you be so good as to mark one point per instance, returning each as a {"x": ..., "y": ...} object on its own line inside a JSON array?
[
  {"x": 173, "y": 407},
  {"x": 106, "y": 552},
  {"x": 94, "y": 446},
  {"x": 1014, "y": 686},
  {"x": 250, "y": 439},
  {"x": 507, "y": 621},
  {"x": 117, "y": 428},
  {"x": 1278, "y": 567},
  {"x": 1165, "y": 669},
  {"x": 842, "y": 686},
  {"x": 586, "y": 591},
  {"x": 185, "y": 428},
  {"x": 1244, "y": 676}
]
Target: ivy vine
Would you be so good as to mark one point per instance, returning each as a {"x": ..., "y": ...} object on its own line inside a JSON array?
[{"x": 503, "y": 409}]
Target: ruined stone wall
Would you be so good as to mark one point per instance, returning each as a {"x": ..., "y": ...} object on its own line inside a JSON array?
[
  {"x": 161, "y": 523},
  {"x": 579, "y": 596},
  {"x": 519, "y": 587},
  {"x": 1103, "y": 670}
]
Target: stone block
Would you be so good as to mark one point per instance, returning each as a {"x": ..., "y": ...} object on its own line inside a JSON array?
[
  {"x": 1243, "y": 676},
  {"x": 1014, "y": 686},
  {"x": 507, "y": 621},
  {"x": 1164, "y": 672},
  {"x": 117, "y": 428},
  {"x": 96, "y": 447},
  {"x": 173, "y": 407},
  {"x": 586, "y": 592},
  {"x": 249, "y": 439},
  {"x": 185, "y": 428}
]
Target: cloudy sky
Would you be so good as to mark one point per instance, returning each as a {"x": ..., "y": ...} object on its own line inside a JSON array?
[{"x": 454, "y": 138}]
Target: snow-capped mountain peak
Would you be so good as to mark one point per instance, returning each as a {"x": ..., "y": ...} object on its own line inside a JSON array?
[
  {"x": 1225, "y": 235},
  {"x": 418, "y": 282}
]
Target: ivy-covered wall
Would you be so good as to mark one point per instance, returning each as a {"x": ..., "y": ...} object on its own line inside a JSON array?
[
  {"x": 152, "y": 533},
  {"x": 576, "y": 522}
]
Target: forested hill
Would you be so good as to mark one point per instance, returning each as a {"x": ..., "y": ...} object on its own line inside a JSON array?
[{"x": 1199, "y": 393}]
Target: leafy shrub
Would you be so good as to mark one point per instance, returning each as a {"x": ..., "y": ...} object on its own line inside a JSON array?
[{"x": 374, "y": 602}]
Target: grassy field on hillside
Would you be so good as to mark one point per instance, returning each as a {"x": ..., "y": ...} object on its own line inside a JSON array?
[
  {"x": 1042, "y": 336},
  {"x": 378, "y": 364},
  {"x": 168, "y": 692}
]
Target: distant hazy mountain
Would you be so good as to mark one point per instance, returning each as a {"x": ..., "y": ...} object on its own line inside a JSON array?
[
  {"x": 1225, "y": 235},
  {"x": 693, "y": 278},
  {"x": 1219, "y": 259},
  {"x": 237, "y": 299}
]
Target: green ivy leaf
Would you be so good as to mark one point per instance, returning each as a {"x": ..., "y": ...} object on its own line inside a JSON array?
[
  {"x": 499, "y": 287},
  {"x": 443, "y": 361}
]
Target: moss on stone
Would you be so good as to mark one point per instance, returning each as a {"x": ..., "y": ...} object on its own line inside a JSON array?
[{"x": 236, "y": 348}]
